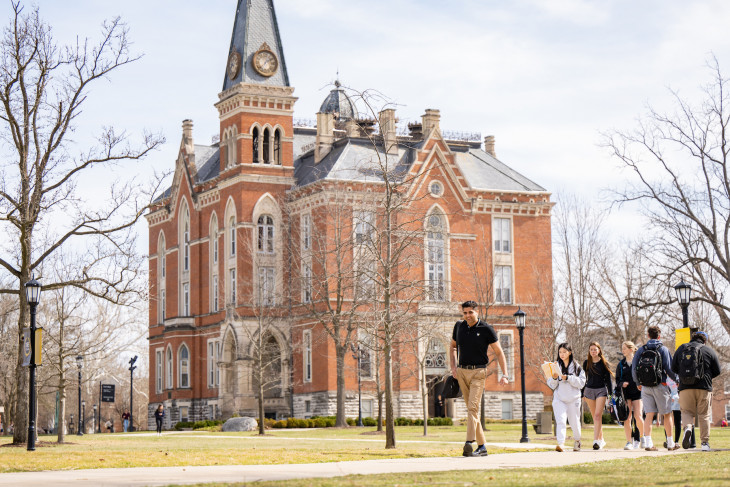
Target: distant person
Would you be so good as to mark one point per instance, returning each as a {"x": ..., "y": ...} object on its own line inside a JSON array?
[
  {"x": 676, "y": 412},
  {"x": 632, "y": 396},
  {"x": 598, "y": 384},
  {"x": 651, "y": 366},
  {"x": 470, "y": 341},
  {"x": 439, "y": 403},
  {"x": 723, "y": 423},
  {"x": 566, "y": 396},
  {"x": 696, "y": 364},
  {"x": 109, "y": 426},
  {"x": 159, "y": 417},
  {"x": 125, "y": 420}
]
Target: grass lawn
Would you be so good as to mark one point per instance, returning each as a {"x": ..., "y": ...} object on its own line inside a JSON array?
[{"x": 329, "y": 445}]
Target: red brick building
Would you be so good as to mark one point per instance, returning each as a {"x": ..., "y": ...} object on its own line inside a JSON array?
[{"x": 231, "y": 261}]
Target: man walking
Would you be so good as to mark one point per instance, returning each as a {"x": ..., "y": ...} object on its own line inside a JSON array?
[
  {"x": 469, "y": 343},
  {"x": 696, "y": 364},
  {"x": 651, "y": 365},
  {"x": 125, "y": 420}
]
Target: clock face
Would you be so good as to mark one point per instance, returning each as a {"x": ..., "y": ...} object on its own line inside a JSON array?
[
  {"x": 265, "y": 62},
  {"x": 234, "y": 64}
]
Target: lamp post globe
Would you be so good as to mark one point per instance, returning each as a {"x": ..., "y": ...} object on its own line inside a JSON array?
[
  {"x": 684, "y": 292},
  {"x": 520, "y": 322},
  {"x": 32, "y": 296},
  {"x": 80, "y": 365}
]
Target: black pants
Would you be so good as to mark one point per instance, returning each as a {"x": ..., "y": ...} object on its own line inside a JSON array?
[{"x": 159, "y": 424}]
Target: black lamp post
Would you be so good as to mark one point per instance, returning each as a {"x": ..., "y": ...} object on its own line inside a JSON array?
[
  {"x": 83, "y": 415},
  {"x": 684, "y": 291},
  {"x": 32, "y": 296},
  {"x": 520, "y": 322},
  {"x": 80, "y": 365},
  {"x": 93, "y": 421},
  {"x": 131, "y": 392},
  {"x": 357, "y": 354}
]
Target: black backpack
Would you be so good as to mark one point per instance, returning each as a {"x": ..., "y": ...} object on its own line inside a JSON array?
[
  {"x": 649, "y": 368},
  {"x": 691, "y": 364}
]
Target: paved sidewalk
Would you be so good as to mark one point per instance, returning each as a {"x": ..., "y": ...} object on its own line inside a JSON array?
[{"x": 162, "y": 476}]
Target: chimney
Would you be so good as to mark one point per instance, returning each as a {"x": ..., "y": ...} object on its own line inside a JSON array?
[
  {"x": 430, "y": 121},
  {"x": 416, "y": 130},
  {"x": 489, "y": 145},
  {"x": 325, "y": 136},
  {"x": 351, "y": 128},
  {"x": 187, "y": 127},
  {"x": 387, "y": 130}
]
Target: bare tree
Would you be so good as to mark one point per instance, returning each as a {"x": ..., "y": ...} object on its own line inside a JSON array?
[
  {"x": 43, "y": 87},
  {"x": 579, "y": 243},
  {"x": 681, "y": 180},
  {"x": 325, "y": 249}
]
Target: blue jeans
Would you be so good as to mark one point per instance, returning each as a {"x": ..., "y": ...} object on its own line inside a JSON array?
[{"x": 126, "y": 425}]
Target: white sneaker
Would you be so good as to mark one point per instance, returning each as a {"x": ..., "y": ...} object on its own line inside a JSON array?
[
  {"x": 576, "y": 445},
  {"x": 636, "y": 445},
  {"x": 706, "y": 447},
  {"x": 642, "y": 443},
  {"x": 601, "y": 444},
  {"x": 629, "y": 445}
]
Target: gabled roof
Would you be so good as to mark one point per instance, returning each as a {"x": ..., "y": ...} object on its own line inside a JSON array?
[
  {"x": 255, "y": 25},
  {"x": 484, "y": 172}
]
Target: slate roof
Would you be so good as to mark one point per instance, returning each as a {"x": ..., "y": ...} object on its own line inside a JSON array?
[{"x": 255, "y": 25}]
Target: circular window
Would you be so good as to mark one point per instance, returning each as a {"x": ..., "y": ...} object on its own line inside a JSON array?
[
  {"x": 436, "y": 189},
  {"x": 434, "y": 221}
]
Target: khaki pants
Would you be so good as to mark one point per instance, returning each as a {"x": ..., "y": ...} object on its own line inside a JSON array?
[
  {"x": 696, "y": 402},
  {"x": 471, "y": 383}
]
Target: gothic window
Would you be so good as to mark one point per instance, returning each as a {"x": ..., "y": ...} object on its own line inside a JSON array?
[
  {"x": 168, "y": 368},
  {"x": 267, "y": 286},
  {"x": 184, "y": 367},
  {"x": 265, "y": 234},
  {"x": 272, "y": 367},
  {"x": 158, "y": 371},
  {"x": 162, "y": 306},
  {"x": 186, "y": 243},
  {"x": 256, "y": 142},
  {"x": 214, "y": 263},
  {"x": 306, "y": 233},
  {"x": 277, "y": 147},
  {"x": 307, "y": 355},
  {"x": 232, "y": 285},
  {"x": 266, "y": 144},
  {"x": 436, "y": 355},
  {"x": 162, "y": 271},
  {"x": 231, "y": 148},
  {"x": 306, "y": 283},
  {"x": 215, "y": 297},
  {"x": 435, "y": 266},
  {"x": 364, "y": 223},
  {"x": 232, "y": 235},
  {"x": 186, "y": 299}
]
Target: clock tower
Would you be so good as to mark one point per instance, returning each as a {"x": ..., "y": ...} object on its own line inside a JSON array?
[{"x": 256, "y": 105}]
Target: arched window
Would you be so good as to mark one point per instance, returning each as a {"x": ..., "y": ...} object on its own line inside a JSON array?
[
  {"x": 272, "y": 368},
  {"x": 277, "y": 147},
  {"x": 168, "y": 368},
  {"x": 232, "y": 230},
  {"x": 266, "y": 234},
  {"x": 161, "y": 281},
  {"x": 184, "y": 367},
  {"x": 214, "y": 263},
  {"x": 255, "y": 142},
  {"x": 267, "y": 141},
  {"x": 435, "y": 268},
  {"x": 186, "y": 244}
]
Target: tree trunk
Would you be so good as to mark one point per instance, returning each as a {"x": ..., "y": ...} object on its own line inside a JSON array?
[
  {"x": 20, "y": 422},
  {"x": 340, "y": 419},
  {"x": 379, "y": 391},
  {"x": 61, "y": 425},
  {"x": 424, "y": 397},
  {"x": 389, "y": 420},
  {"x": 262, "y": 426}
]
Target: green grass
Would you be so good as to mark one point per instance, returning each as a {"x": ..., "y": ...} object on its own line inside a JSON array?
[{"x": 694, "y": 470}]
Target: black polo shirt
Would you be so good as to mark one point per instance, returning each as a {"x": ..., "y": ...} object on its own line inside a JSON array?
[{"x": 473, "y": 342}]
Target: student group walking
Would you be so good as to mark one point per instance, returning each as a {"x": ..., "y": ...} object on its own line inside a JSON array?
[{"x": 649, "y": 380}]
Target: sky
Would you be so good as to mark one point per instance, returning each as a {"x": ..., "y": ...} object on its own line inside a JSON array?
[{"x": 546, "y": 78}]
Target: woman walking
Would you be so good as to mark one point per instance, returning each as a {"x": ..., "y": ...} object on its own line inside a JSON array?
[
  {"x": 566, "y": 396},
  {"x": 631, "y": 393},
  {"x": 159, "y": 416},
  {"x": 598, "y": 383}
]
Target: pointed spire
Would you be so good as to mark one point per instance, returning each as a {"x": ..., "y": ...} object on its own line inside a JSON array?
[{"x": 256, "y": 54}]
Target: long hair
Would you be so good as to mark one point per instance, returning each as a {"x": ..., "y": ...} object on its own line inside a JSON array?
[
  {"x": 589, "y": 361},
  {"x": 563, "y": 367}
]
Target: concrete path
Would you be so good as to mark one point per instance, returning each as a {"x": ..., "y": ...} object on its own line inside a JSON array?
[{"x": 162, "y": 476}]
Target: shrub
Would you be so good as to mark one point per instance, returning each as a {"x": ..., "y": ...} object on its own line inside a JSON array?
[
  {"x": 278, "y": 424},
  {"x": 351, "y": 421},
  {"x": 440, "y": 422},
  {"x": 183, "y": 424},
  {"x": 369, "y": 421}
]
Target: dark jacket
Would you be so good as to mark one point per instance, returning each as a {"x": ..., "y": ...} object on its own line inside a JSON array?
[
  {"x": 623, "y": 374},
  {"x": 159, "y": 414},
  {"x": 597, "y": 376},
  {"x": 666, "y": 360},
  {"x": 712, "y": 367}
]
